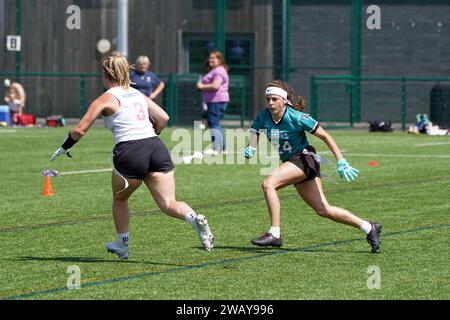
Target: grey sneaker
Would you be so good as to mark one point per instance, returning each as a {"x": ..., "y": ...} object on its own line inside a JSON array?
[
  {"x": 121, "y": 251},
  {"x": 373, "y": 238},
  {"x": 268, "y": 240}
]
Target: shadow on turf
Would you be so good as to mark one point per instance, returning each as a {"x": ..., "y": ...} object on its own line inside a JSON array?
[
  {"x": 91, "y": 260},
  {"x": 329, "y": 250},
  {"x": 241, "y": 249},
  {"x": 72, "y": 259},
  {"x": 247, "y": 249},
  {"x": 271, "y": 249}
]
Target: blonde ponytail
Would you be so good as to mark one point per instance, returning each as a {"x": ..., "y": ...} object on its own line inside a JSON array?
[{"x": 117, "y": 70}]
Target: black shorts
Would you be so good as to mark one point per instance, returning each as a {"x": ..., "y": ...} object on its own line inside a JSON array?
[
  {"x": 307, "y": 163},
  {"x": 135, "y": 159}
]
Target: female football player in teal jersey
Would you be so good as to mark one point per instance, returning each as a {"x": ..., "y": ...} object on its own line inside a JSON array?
[{"x": 285, "y": 125}]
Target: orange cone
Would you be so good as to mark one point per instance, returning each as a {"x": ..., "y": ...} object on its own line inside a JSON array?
[{"x": 48, "y": 190}]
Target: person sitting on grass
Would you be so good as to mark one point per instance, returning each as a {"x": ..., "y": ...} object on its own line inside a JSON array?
[{"x": 15, "y": 97}]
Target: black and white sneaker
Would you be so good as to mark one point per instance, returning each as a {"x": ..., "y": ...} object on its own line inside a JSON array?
[
  {"x": 373, "y": 238},
  {"x": 205, "y": 235}
]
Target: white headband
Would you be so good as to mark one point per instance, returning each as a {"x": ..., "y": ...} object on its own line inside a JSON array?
[{"x": 277, "y": 91}]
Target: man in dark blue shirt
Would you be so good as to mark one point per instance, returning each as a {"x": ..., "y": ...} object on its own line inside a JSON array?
[{"x": 144, "y": 80}]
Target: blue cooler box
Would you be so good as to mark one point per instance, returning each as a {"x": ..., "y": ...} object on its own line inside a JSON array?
[{"x": 4, "y": 115}]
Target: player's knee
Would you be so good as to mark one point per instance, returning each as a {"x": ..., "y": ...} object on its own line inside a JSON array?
[
  {"x": 120, "y": 196},
  {"x": 323, "y": 211},
  {"x": 267, "y": 185},
  {"x": 166, "y": 205}
]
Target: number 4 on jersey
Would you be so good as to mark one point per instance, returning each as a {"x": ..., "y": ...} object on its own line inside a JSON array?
[{"x": 287, "y": 146}]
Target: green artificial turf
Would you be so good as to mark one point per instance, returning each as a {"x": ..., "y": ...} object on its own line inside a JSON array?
[{"x": 409, "y": 193}]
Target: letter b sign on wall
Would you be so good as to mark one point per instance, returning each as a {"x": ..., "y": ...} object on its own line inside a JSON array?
[{"x": 13, "y": 43}]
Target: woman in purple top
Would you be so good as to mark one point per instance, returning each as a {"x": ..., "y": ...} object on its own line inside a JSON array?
[{"x": 214, "y": 86}]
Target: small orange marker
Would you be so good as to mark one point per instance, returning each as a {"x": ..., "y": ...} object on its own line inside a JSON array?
[
  {"x": 48, "y": 190},
  {"x": 374, "y": 164}
]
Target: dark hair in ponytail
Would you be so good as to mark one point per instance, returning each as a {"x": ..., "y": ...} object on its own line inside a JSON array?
[{"x": 295, "y": 101}]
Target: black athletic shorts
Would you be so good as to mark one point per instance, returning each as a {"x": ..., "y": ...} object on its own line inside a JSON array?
[
  {"x": 307, "y": 163},
  {"x": 135, "y": 159}
]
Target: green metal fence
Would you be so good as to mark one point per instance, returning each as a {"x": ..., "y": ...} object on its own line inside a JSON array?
[
  {"x": 348, "y": 99},
  {"x": 183, "y": 101},
  {"x": 69, "y": 94},
  {"x": 335, "y": 99},
  {"x": 58, "y": 93},
  {"x": 300, "y": 41}
]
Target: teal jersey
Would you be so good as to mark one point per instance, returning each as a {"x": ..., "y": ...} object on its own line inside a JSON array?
[{"x": 288, "y": 136}]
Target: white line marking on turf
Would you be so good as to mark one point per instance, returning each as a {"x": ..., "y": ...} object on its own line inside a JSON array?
[
  {"x": 430, "y": 144},
  {"x": 7, "y": 131},
  {"x": 329, "y": 152},
  {"x": 387, "y": 155},
  {"x": 84, "y": 172},
  {"x": 237, "y": 153}
]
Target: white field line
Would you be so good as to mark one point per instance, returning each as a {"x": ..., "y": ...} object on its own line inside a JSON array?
[
  {"x": 430, "y": 144},
  {"x": 234, "y": 153},
  {"x": 7, "y": 131},
  {"x": 84, "y": 172},
  {"x": 329, "y": 152},
  {"x": 387, "y": 155}
]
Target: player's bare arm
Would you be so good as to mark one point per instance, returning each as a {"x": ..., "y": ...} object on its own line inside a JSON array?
[
  {"x": 106, "y": 104},
  {"x": 252, "y": 144},
  {"x": 158, "y": 117},
  {"x": 329, "y": 141},
  {"x": 254, "y": 138}
]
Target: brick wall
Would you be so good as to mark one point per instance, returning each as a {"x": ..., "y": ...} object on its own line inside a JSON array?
[{"x": 414, "y": 40}]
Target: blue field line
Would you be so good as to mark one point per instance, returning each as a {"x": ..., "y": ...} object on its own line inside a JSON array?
[{"x": 214, "y": 263}]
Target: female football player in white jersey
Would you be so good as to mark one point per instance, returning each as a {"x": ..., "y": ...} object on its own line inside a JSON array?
[
  {"x": 139, "y": 154},
  {"x": 286, "y": 125}
]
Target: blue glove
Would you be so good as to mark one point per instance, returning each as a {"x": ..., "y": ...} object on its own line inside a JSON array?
[
  {"x": 346, "y": 171},
  {"x": 249, "y": 152}
]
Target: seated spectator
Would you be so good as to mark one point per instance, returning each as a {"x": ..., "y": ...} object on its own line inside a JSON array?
[{"x": 15, "y": 97}]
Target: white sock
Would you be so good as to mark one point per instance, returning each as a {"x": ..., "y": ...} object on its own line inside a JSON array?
[
  {"x": 122, "y": 239},
  {"x": 366, "y": 227},
  {"x": 190, "y": 217},
  {"x": 275, "y": 231}
]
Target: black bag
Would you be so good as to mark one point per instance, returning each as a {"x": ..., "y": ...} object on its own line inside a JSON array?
[{"x": 380, "y": 125}]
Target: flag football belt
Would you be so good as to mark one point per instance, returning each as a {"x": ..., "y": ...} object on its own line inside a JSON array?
[{"x": 313, "y": 154}]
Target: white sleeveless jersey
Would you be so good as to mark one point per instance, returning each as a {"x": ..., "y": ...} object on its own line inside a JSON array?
[{"x": 131, "y": 121}]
